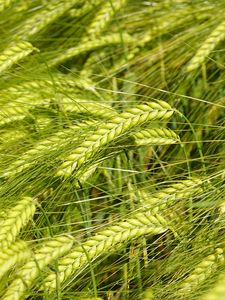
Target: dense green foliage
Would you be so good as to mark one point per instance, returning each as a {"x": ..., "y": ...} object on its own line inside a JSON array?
[{"x": 112, "y": 149}]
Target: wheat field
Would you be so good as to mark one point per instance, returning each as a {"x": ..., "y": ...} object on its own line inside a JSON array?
[{"x": 112, "y": 150}]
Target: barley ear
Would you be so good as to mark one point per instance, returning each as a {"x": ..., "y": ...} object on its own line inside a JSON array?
[
  {"x": 203, "y": 270},
  {"x": 39, "y": 21},
  {"x": 110, "y": 239},
  {"x": 160, "y": 201},
  {"x": 111, "y": 131},
  {"x": 47, "y": 253},
  {"x": 210, "y": 43},
  {"x": 49, "y": 145},
  {"x": 98, "y": 110},
  {"x": 16, "y": 253},
  {"x": 103, "y": 17},
  {"x": 113, "y": 39},
  {"x": 13, "y": 54},
  {"x": 17, "y": 218},
  {"x": 19, "y": 109}
]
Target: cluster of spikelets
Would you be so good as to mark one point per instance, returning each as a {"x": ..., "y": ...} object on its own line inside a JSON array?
[{"x": 103, "y": 167}]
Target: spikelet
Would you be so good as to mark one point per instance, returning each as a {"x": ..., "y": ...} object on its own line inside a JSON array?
[
  {"x": 13, "y": 54},
  {"x": 47, "y": 253},
  {"x": 112, "y": 131},
  {"x": 17, "y": 218},
  {"x": 112, "y": 39},
  {"x": 156, "y": 136},
  {"x": 103, "y": 17},
  {"x": 16, "y": 253},
  {"x": 110, "y": 239},
  {"x": 204, "y": 269},
  {"x": 39, "y": 21},
  {"x": 207, "y": 47}
]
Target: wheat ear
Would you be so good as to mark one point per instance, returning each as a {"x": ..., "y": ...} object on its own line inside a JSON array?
[
  {"x": 112, "y": 39},
  {"x": 65, "y": 84},
  {"x": 51, "y": 12},
  {"x": 20, "y": 108},
  {"x": 13, "y": 54},
  {"x": 160, "y": 201},
  {"x": 103, "y": 17},
  {"x": 47, "y": 253},
  {"x": 204, "y": 269},
  {"x": 112, "y": 131},
  {"x": 210, "y": 43},
  {"x": 45, "y": 147},
  {"x": 107, "y": 240},
  {"x": 94, "y": 108},
  {"x": 170, "y": 202},
  {"x": 84, "y": 9},
  {"x": 17, "y": 218},
  {"x": 16, "y": 253},
  {"x": 155, "y": 136}
]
